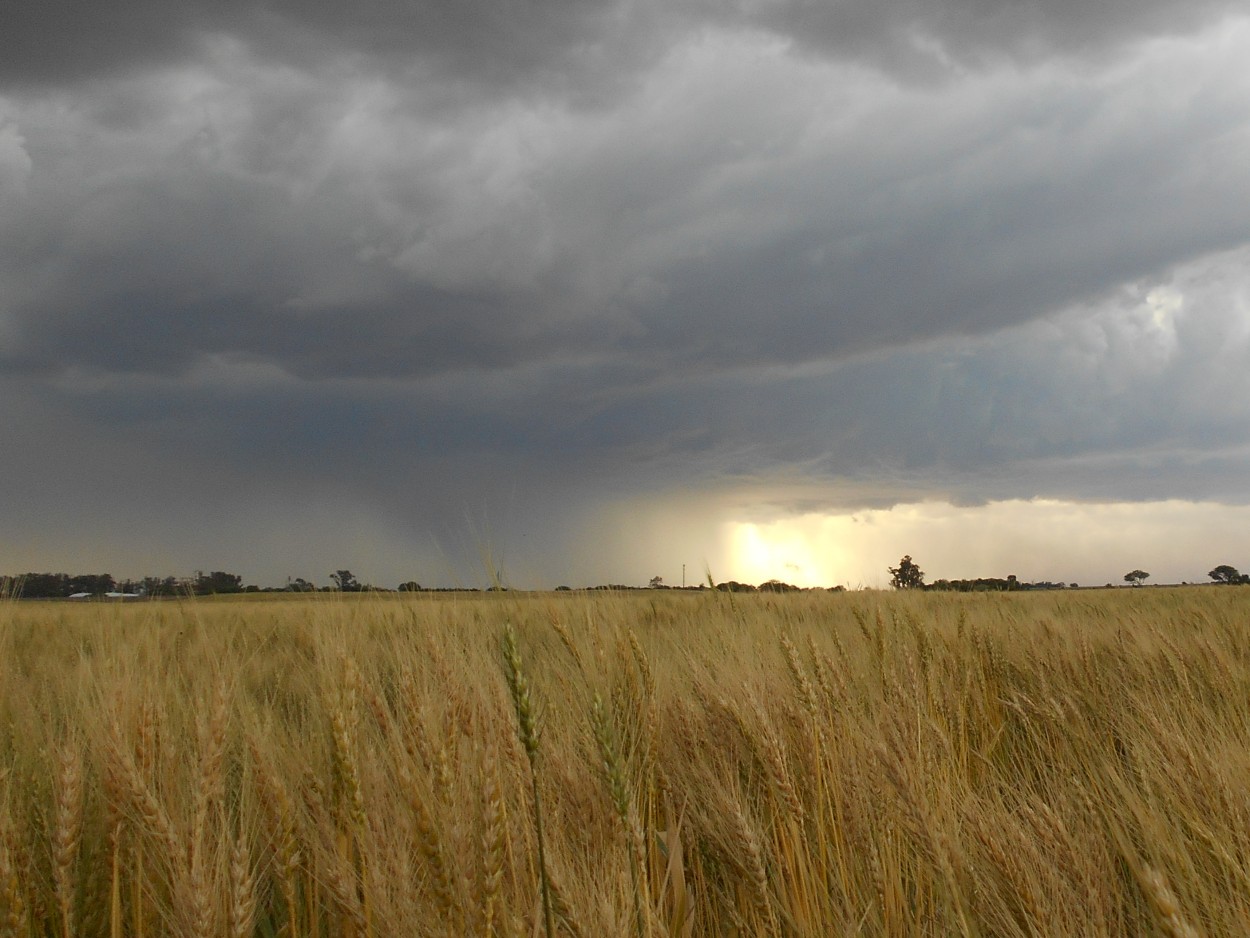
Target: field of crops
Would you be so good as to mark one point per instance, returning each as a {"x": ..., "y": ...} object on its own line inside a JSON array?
[{"x": 1062, "y": 763}]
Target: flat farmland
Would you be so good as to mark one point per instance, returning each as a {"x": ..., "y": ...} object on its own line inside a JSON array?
[{"x": 911, "y": 763}]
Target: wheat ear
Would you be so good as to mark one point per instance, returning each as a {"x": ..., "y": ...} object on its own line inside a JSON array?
[
  {"x": 492, "y": 846},
  {"x": 1163, "y": 900},
  {"x": 430, "y": 847},
  {"x": 618, "y": 787},
  {"x": 528, "y": 730},
  {"x": 13, "y": 918},
  {"x": 209, "y": 792},
  {"x": 242, "y": 890},
  {"x": 281, "y": 811},
  {"x": 67, "y": 835}
]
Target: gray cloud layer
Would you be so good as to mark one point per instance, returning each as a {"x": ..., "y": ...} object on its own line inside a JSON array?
[
  {"x": 463, "y": 258},
  {"x": 561, "y": 46}
]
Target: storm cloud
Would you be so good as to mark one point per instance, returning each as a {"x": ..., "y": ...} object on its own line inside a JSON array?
[{"x": 470, "y": 272}]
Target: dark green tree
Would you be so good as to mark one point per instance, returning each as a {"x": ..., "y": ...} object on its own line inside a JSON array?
[
  {"x": 778, "y": 586},
  {"x": 1226, "y": 574},
  {"x": 217, "y": 582},
  {"x": 907, "y": 575},
  {"x": 1136, "y": 576},
  {"x": 94, "y": 583},
  {"x": 161, "y": 586},
  {"x": 346, "y": 581}
]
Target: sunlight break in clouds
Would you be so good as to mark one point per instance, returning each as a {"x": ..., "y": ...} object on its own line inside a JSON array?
[{"x": 1175, "y": 541}]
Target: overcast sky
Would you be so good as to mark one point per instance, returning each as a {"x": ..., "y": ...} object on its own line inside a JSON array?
[{"x": 586, "y": 291}]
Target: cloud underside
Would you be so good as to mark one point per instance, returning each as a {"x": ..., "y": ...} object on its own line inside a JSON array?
[{"x": 560, "y": 45}]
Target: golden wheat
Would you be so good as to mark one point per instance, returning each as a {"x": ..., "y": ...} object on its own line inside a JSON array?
[{"x": 882, "y": 764}]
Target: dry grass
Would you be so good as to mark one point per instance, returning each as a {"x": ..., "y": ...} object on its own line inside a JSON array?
[{"x": 802, "y": 765}]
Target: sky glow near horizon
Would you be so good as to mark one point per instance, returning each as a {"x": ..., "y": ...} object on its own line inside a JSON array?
[
  {"x": 771, "y": 291},
  {"x": 1058, "y": 542}
]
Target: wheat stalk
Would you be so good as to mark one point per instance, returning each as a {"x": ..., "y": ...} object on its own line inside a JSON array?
[
  {"x": 210, "y": 789},
  {"x": 151, "y": 814},
  {"x": 769, "y": 744},
  {"x": 242, "y": 891},
  {"x": 277, "y": 803},
  {"x": 492, "y": 846},
  {"x": 1163, "y": 901},
  {"x": 67, "y": 833},
  {"x": 752, "y": 861},
  {"x": 13, "y": 917},
  {"x": 528, "y": 730},
  {"x": 566, "y": 640},
  {"x": 626, "y": 811},
  {"x": 429, "y": 847},
  {"x": 344, "y": 720}
]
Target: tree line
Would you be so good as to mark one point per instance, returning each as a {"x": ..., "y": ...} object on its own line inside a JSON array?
[
  {"x": 216, "y": 582},
  {"x": 908, "y": 575},
  {"x": 64, "y": 585}
]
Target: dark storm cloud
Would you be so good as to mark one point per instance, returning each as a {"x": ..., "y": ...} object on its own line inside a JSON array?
[
  {"x": 62, "y": 41},
  {"x": 208, "y": 222},
  {"x": 436, "y": 259},
  {"x": 1144, "y": 392},
  {"x": 562, "y": 44},
  {"x": 557, "y": 44},
  {"x": 925, "y": 39}
]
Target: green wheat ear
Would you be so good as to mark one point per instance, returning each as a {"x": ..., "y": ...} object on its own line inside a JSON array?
[
  {"x": 528, "y": 731},
  {"x": 518, "y": 685},
  {"x": 622, "y": 800}
]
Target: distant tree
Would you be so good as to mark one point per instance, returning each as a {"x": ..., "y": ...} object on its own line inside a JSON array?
[
  {"x": 217, "y": 582},
  {"x": 778, "y": 586},
  {"x": 410, "y": 586},
  {"x": 989, "y": 584},
  {"x": 95, "y": 583},
  {"x": 907, "y": 575},
  {"x": 40, "y": 586},
  {"x": 160, "y": 586},
  {"x": 1226, "y": 574},
  {"x": 345, "y": 581},
  {"x": 300, "y": 585},
  {"x": 1136, "y": 576},
  {"x": 657, "y": 582}
]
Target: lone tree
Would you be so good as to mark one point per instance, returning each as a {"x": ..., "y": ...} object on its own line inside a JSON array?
[
  {"x": 217, "y": 582},
  {"x": 906, "y": 575},
  {"x": 1226, "y": 574},
  {"x": 345, "y": 581},
  {"x": 1136, "y": 576}
]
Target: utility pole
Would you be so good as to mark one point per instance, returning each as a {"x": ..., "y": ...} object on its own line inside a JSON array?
[{"x": 683, "y": 576}]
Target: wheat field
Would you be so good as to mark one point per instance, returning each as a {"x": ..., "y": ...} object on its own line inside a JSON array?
[{"x": 1067, "y": 763}]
